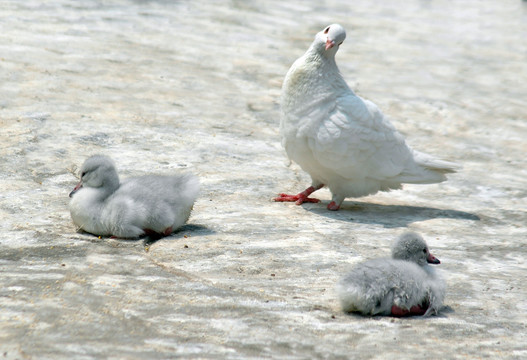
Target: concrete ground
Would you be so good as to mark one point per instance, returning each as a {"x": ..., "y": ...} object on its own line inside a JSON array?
[{"x": 165, "y": 86}]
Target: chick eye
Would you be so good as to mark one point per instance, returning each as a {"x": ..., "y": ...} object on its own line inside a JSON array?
[{"x": 326, "y": 31}]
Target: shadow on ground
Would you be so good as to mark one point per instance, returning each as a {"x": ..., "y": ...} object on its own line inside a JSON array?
[
  {"x": 443, "y": 313},
  {"x": 193, "y": 229},
  {"x": 389, "y": 216}
]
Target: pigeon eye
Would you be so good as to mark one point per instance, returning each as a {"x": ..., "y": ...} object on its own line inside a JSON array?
[
  {"x": 84, "y": 173},
  {"x": 326, "y": 31},
  {"x": 341, "y": 43},
  {"x": 424, "y": 250}
]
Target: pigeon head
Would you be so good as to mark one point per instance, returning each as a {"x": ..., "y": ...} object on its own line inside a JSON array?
[
  {"x": 411, "y": 247},
  {"x": 331, "y": 37}
]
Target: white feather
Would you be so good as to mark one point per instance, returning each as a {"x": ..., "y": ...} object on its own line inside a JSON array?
[{"x": 340, "y": 139}]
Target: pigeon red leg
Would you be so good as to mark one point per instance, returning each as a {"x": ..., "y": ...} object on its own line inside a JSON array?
[{"x": 300, "y": 197}]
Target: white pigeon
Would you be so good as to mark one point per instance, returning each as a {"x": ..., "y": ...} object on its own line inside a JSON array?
[
  {"x": 343, "y": 141},
  {"x": 400, "y": 286},
  {"x": 146, "y": 205}
]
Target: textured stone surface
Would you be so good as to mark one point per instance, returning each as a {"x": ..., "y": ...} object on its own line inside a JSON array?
[{"x": 164, "y": 86}]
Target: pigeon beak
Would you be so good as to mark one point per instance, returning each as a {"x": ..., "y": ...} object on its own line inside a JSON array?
[
  {"x": 432, "y": 259},
  {"x": 329, "y": 44},
  {"x": 79, "y": 185}
]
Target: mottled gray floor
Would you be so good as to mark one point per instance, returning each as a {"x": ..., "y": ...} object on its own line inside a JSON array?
[{"x": 164, "y": 86}]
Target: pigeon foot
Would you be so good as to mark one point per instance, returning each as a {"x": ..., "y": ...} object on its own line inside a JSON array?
[
  {"x": 333, "y": 206},
  {"x": 299, "y": 198}
]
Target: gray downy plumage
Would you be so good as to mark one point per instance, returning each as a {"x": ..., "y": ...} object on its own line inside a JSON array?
[
  {"x": 406, "y": 280},
  {"x": 102, "y": 205}
]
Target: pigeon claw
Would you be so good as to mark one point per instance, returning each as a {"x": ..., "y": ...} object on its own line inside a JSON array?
[
  {"x": 333, "y": 206},
  {"x": 302, "y": 197},
  {"x": 299, "y": 199}
]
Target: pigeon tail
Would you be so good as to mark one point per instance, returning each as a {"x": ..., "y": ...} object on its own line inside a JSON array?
[
  {"x": 426, "y": 170},
  {"x": 431, "y": 163}
]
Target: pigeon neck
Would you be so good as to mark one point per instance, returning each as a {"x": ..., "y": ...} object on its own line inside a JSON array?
[{"x": 316, "y": 53}]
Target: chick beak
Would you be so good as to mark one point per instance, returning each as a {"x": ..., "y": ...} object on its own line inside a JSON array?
[
  {"x": 329, "y": 44},
  {"x": 76, "y": 188},
  {"x": 432, "y": 259}
]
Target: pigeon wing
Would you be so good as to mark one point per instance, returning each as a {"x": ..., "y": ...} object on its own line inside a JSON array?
[{"x": 354, "y": 139}]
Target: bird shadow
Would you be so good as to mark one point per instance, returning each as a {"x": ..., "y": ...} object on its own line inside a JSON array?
[
  {"x": 152, "y": 238},
  {"x": 444, "y": 311},
  {"x": 194, "y": 229},
  {"x": 389, "y": 216}
]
